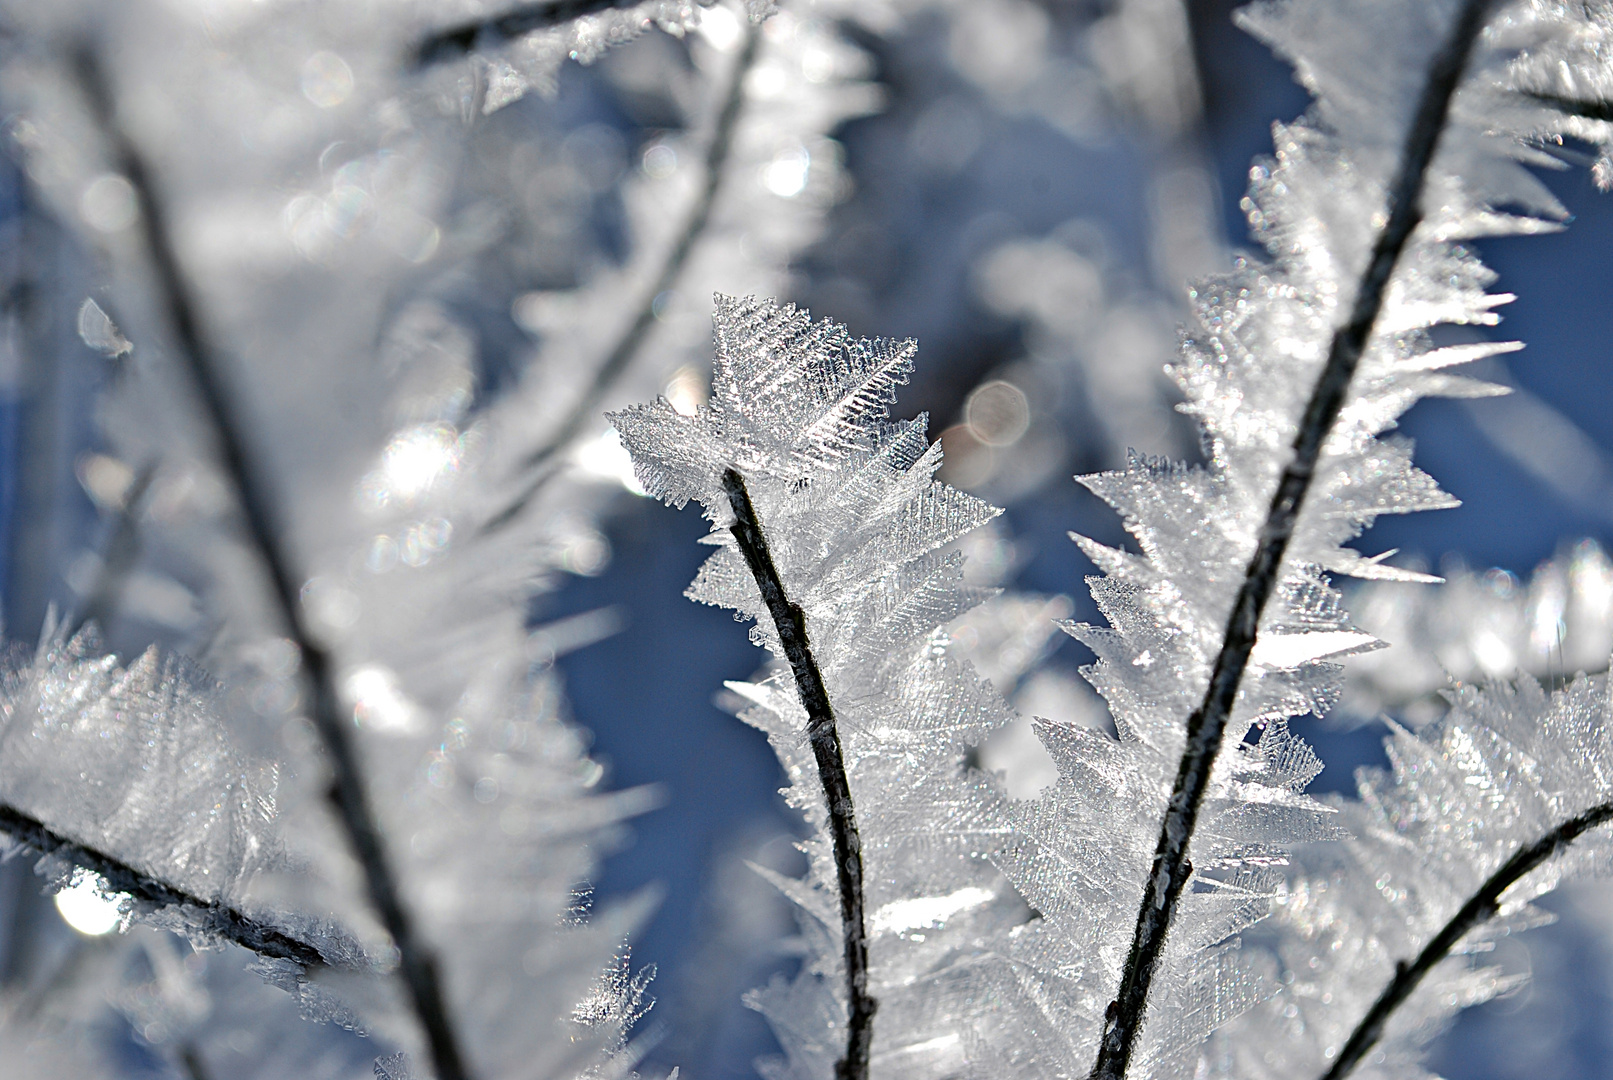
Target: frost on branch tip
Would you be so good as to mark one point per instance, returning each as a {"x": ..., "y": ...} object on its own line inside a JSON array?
[
  {"x": 788, "y": 397},
  {"x": 859, "y": 529}
]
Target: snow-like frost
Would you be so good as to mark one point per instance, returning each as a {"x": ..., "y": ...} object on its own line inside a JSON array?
[
  {"x": 858, "y": 531},
  {"x": 138, "y": 764}
]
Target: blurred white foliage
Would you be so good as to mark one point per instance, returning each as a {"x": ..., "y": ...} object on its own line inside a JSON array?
[
  {"x": 322, "y": 259},
  {"x": 1477, "y": 627}
]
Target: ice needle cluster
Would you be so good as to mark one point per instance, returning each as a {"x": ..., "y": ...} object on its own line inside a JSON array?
[{"x": 138, "y": 764}]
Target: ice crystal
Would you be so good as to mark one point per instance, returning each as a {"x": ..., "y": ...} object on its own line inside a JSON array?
[{"x": 858, "y": 529}]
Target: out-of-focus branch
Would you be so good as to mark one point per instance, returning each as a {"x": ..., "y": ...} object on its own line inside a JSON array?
[
  {"x": 621, "y": 355},
  {"x": 1587, "y": 108},
  {"x": 347, "y": 794},
  {"x": 460, "y": 39}
]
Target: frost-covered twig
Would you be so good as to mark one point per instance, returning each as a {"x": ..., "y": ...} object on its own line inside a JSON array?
[
  {"x": 213, "y": 917},
  {"x": 1208, "y": 723},
  {"x": 1480, "y": 907},
  {"x": 790, "y": 622},
  {"x": 347, "y": 792},
  {"x": 621, "y": 355}
]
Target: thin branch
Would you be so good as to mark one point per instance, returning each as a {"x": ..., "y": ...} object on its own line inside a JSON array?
[
  {"x": 1587, "y": 108},
  {"x": 461, "y": 39},
  {"x": 621, "y": 355},
  {"x": 1481, "y": 907},
  {"x": 191, "y": 1059},
  {"x": 1171, "y": 869},
  {"x": 347, "y": 794},
  {"x": 790, "y": 622},
  {"x": 213, "y": 918}
]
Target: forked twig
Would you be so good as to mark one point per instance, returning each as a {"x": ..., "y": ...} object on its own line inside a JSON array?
[
  {"x": 347, "y": 793},
  {"x": 790, "y": 622},
  {"x": 216, "y": 919},
  {"x": 1205, "y": 728},
  {"x": 1480, "y": 907}
]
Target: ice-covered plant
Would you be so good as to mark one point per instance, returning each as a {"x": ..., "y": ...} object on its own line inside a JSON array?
[
  {"x": 382, "y": 797},
  {"x": 1224, "y": 623}
]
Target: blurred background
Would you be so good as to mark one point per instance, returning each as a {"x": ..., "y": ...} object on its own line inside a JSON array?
[{"x": 1024, "y": 186}]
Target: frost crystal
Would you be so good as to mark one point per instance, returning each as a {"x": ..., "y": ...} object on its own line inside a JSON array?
[
  {"x": 859, "y": 531},
  {"x": 1480, "y": 626}
]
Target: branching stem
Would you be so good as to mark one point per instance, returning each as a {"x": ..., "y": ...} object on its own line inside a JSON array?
[
  {"x": 1171, "y": 869},
  {"x": 216, "y": 919},
  {"x": 347, "y": 793},
  {"x": 790, "y": 622},
  {"x": 1480, "y": 907}
]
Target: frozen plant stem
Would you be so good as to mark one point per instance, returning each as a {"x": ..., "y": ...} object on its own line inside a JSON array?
[
  {"x": 347, "y": 794},
  {"x": 1480, "y": 907},
  {"x": 627, "y": 346},
  {"x": 1123, "y": 1021},
  {"x": 217, "y": 919},
  {"x": 790, "y": 622}
]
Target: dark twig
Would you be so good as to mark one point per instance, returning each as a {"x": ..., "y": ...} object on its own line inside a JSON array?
[
  {"x": 460, "y": 39},
  {"x": 627, "y": 346},
  {"x": 191, "y": 1059},
  {"x": 790, "y": 622},
  {"x": 1481, "y": 907},
  {"x": 347, "y": 793},
  {"x": 1205, "y": 727},
  {"x": 1587, "y": 108},
  {"x": 215, "y": 919}
]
